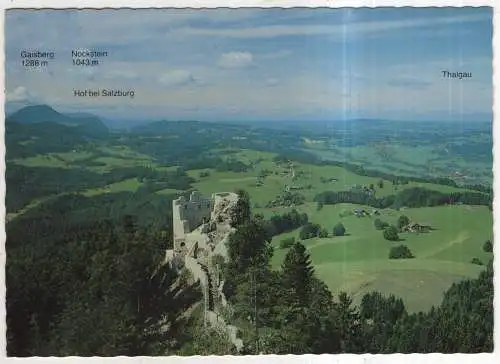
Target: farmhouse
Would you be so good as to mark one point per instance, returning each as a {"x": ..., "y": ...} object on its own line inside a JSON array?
[
  {"x": 414, "y": 227},
  {"x": 361, "y": 213},
  {"x": 293, "y": 188}
]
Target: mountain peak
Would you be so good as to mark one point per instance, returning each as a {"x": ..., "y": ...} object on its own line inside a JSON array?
[
  {"x": 39, "y": 107},
  {"x": 35, "y": 114}
]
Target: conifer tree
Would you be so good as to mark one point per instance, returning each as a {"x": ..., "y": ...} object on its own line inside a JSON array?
[
  {"x": 248, "y": 246},
  {"x": 242, "y": 213},
  {"x": 297, "y": 275},
  {"x": 349, "y": 324}
]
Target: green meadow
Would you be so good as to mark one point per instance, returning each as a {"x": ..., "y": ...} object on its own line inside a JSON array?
[
  {"x": 358, "y": 262},
  {"x": 129, "y": 185}
]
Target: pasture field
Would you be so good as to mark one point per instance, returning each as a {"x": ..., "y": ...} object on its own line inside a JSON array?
[
  {"x": 45, "y": 160},
  {"x": 358, "y": 262},
  {"x": 122, "y": 151},
  {"x": 168, "y": 191},
  {"x": 107, "y": 157},
  {"x": 229, "y": 181},
  {"x": 110, "y": 163},
  {"x": 74, "y": 156},
  {"x": 419, "y": 282},
  {"x": 458, "y": 233},
  {"x": 119, "y": 157},
  {"x": 128, "y": 185}
]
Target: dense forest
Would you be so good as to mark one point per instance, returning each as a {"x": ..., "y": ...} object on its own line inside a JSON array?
[
  {"x": 83, "y": 277},
  {"x": 411, "y": 197}
]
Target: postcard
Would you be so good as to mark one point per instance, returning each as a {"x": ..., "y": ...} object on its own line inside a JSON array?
[{"x": 248, "y": 181}]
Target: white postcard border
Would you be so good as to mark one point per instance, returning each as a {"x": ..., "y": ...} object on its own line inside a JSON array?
[{"x": 271, "y": 359}]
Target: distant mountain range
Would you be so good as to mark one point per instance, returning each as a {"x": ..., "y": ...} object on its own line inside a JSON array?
[
  {"x": 86, "y": 123},
  {"x": 91, "y": 125}
]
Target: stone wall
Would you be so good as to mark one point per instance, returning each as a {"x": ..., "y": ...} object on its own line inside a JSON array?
[
  {"x": 188, "y": 215},
  {"x": 194, "y": 210},
  {"x": 212, "y": 317},
  {"x": 196, "y": 270}
]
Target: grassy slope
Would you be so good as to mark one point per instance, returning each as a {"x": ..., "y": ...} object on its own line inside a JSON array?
[
  {"x": 47, "y": 160},
  {"x": 358, "y": 263},
  {"x": 420, "y": 283},
  {"x": 128, "y": 185},
  {"x": 121, "y": 157},
  {"x": 114, "y": 157}
]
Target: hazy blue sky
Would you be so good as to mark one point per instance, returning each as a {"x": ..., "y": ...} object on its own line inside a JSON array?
[{"x": 269, "y": 64}]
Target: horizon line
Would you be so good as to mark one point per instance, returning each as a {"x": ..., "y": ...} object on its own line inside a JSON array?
[{"x": 260, "y": 120}]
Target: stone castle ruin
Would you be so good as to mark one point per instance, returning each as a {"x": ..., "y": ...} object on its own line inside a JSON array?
[
  {"x": 201, "y": 228},
  {"x": 187, "y": 216}
]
